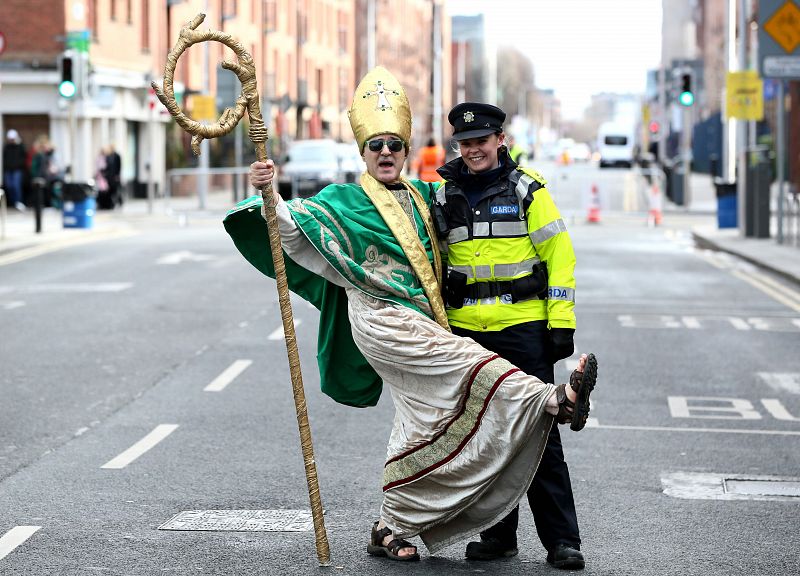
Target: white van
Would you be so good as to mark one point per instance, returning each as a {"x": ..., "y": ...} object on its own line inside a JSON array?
[{"x": 615, "y": 144}]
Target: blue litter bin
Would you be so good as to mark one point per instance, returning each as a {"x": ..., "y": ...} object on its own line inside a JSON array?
[
  {"x": 79, "y": 205},
  {"x": 726, "y": 204}
]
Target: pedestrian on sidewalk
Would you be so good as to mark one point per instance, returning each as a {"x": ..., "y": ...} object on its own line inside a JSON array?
[
  {"x": 511, "y": 287},
  {"x": 14, "y": 158},
  {"x": 100, "y": 181},
  {"x": 44, "y": 166},
  {"x": 469, "y": 427},
  {"x": 113, "y": 175}
]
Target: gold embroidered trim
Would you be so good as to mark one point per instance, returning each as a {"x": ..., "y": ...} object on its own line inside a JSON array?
[{"x": 405, "y": 233}]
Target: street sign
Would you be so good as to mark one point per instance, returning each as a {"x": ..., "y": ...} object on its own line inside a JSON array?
[
  {"x": 779, "y": 38},
  {"x": 784, "y": 26},
  {"x": 204, "y": 107},
  {"x": 745, "y": 96},
  {"x": 78, "y": 40}
]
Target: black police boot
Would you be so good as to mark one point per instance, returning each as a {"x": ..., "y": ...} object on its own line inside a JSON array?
[
  {"x": 566, "y": 557},
  {"x": 491, "y": 549}
]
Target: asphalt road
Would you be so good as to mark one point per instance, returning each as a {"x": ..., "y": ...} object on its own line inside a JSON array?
[{"x": 169, "y": 338}]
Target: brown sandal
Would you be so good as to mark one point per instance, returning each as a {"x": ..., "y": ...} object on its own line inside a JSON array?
[
  {"x": 390, "y": 550},
  {"x": 582, "y": 383},
  {"x": 585, "y": 382},
  {"x": 566, "y": 408}
]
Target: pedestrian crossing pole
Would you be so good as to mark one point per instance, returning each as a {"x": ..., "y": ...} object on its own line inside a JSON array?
[{"x": 248, "y": 101}]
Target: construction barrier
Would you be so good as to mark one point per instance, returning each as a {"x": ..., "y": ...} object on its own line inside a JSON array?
[{"x": 594, "y": 205}]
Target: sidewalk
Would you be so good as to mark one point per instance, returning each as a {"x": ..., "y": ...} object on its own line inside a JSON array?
[
  {"x": 19, "y": 232},
  {"x": 783, "y": 260},
  {"x": 135, "y": 214}
]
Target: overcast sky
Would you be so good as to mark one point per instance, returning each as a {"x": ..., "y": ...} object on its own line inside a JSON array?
[{"x": 577, "y": 47}]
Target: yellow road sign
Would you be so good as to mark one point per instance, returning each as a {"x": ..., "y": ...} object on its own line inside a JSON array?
[
  {"x": 745, "y": 96},
  {"x": 784, "y": 26},
  {"x": 204, "y": 107}
]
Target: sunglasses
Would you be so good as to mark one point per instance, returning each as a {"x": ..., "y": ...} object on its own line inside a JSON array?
[{"x": 394, "y": 145}]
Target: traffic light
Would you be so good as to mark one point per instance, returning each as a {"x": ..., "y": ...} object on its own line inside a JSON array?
[
  {"x": 654, "y": 127},
  {"x": 66, "y": 84},
  {"x": 686, "y": 96}
]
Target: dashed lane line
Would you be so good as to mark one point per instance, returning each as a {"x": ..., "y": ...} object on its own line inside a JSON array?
[
  {"x": 157, "y": 435},
  {"x": 14, "y": 537},
  {"x": 231, "y": 372}
]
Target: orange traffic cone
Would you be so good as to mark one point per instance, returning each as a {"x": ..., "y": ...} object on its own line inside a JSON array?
[
  {"x": 656, "y": 203},
  {"x": 594, "y": 206}
]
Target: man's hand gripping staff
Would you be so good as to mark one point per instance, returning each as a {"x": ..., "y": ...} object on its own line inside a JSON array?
[{"x": 248, "y": 101}]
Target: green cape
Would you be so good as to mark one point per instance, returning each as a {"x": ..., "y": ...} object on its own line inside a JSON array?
[{"x": 344, "y": 226}]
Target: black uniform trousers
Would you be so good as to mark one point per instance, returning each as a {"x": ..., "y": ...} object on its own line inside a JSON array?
[{"x": 550, "y": 494}]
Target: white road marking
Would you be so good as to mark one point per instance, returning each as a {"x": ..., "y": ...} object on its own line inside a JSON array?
[
  {"x": 157, "y": 435},
  {"x": 183, "y": 256},
  {"x": 738, "y": 323},
  {"x": 782, "y": 382},
  {"x": 667, "y": 322},
  {"x": 231, "y": 372},
  {"x": 10, "y": 305},
  {"x": 725, "y": 408},
  {"x": 14, "y": 537},
  {"x": 77, "y": 287},
  {"x": 691, "y": 322},
  {"x": 699, "y": 430},
  {"x": 277, "y": 334},
  {"x": 778, "y": 410}
]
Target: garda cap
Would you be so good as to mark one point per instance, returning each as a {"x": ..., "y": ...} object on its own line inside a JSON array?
[{"x": 475, "y": 119}]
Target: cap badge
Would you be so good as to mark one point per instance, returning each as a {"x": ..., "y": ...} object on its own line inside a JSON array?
[
  {"x": 469, "y": 116},
  {"x": 381, "y": 92}
]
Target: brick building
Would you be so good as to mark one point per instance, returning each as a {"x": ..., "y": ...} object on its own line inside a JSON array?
[{"x": 310, "y": 55}]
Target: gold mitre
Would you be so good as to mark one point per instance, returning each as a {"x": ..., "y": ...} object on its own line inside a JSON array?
[{"x": 380, "y": 106}]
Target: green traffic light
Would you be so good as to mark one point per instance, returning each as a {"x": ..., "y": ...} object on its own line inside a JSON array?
[
  {"x": 686, "y": 98},
  {"x": 67, "y": 89}
]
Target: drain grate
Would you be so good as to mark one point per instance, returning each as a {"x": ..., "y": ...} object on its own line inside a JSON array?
[
  {"x": 241, "y": 521},
  {"x": 711, "y": 486}
]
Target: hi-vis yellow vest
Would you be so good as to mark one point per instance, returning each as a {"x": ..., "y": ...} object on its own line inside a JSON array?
[{"x": 515, "y": 225}]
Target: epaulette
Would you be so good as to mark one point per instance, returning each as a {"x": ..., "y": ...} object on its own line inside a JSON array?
[{"x": 533, "y": 174}]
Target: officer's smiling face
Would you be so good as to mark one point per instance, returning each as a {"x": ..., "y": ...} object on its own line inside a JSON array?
[
  {"x": 480, "y": 154},
  {"x": 384, "y": 165}
]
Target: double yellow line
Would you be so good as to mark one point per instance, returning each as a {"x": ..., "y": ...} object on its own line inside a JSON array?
[
  {"x": 776, "y": 290},
  {"x": 60, "y": 244}
]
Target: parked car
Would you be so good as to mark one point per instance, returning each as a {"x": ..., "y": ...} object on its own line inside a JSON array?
[
  {"x": 309, "y": 166},
  {"x": 352, "y": 164}
]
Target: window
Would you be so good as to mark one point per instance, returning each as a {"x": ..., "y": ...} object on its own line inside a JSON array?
[
  {"x": 270, "y": 15},
  {"x": 616, "y": 140},
  {"x": 145, "y": 26}
]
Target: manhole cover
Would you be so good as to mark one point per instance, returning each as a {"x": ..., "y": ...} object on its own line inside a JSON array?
[
  {"x": 241, "y": 521},
  {"x": 713, "y": 486}
]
